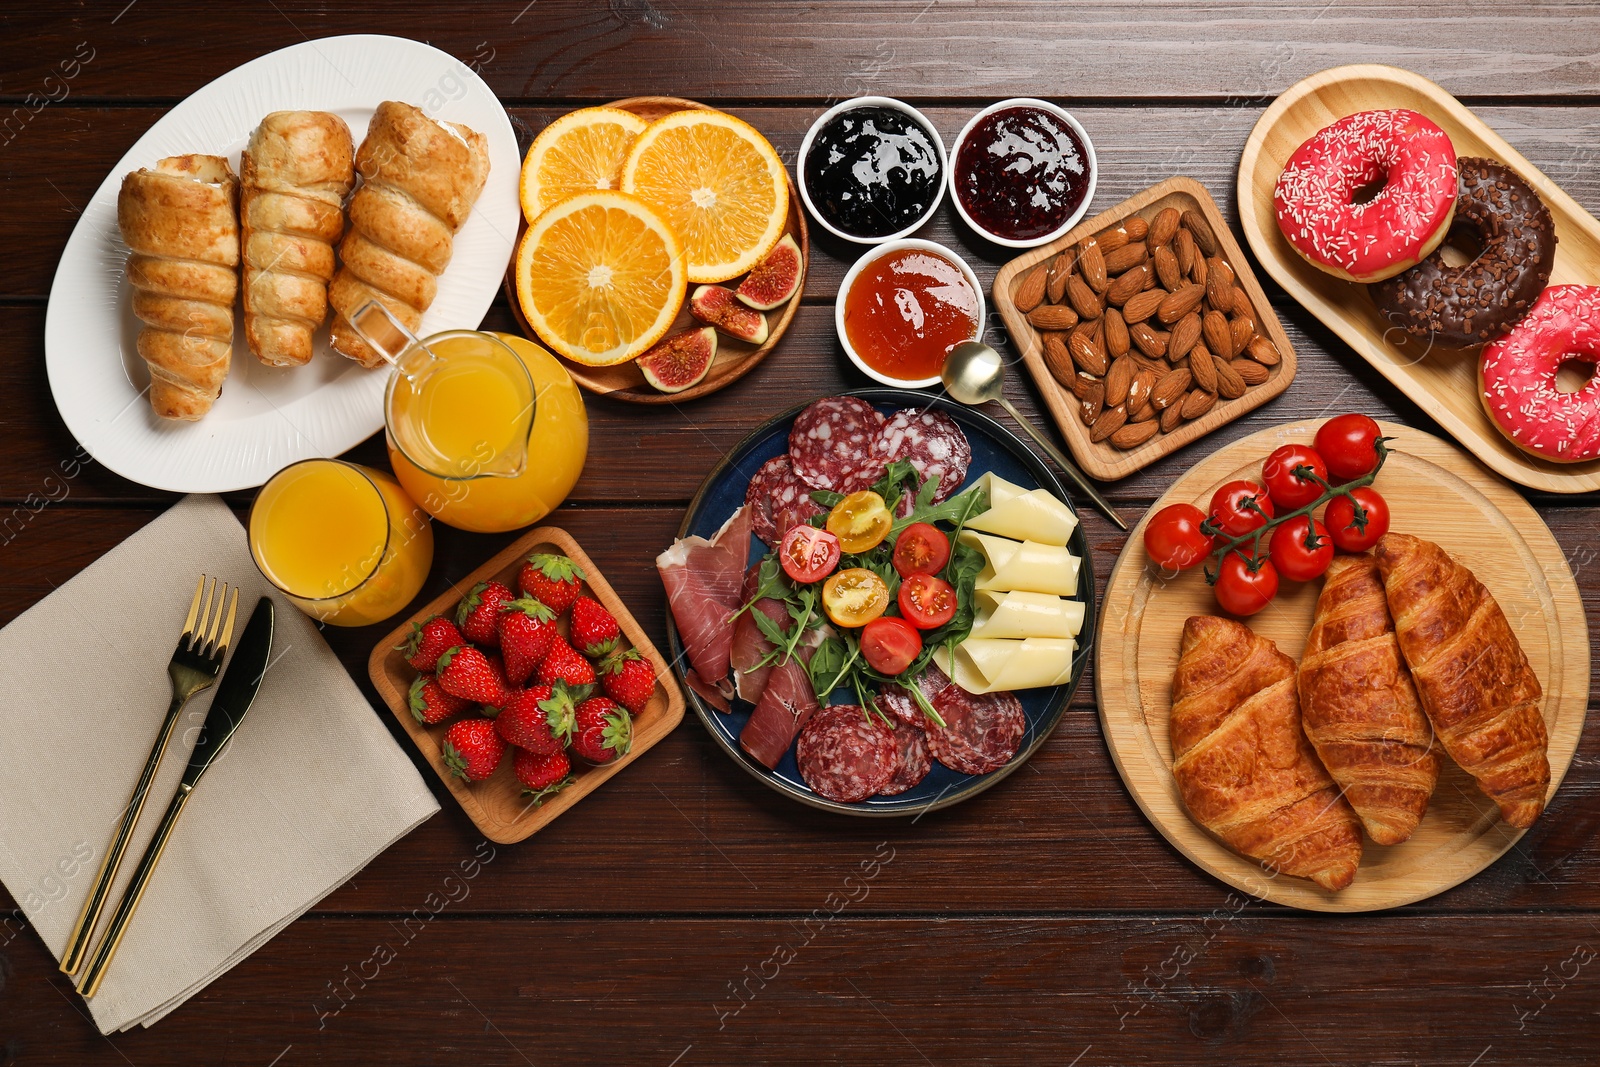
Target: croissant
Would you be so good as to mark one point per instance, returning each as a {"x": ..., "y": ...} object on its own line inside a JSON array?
[
  {"x": 1359, "y": 707},
  {"x": 1243, "y": 765},
  {"x": 419, "y": 180},
  {"x": 294, "y": 174},
  {"x": 181, "y": 223},
  {"x": 1471, "y": 674}
]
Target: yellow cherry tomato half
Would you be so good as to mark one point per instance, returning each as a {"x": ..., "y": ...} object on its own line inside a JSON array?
[
  {"x": 854, "y": 597},
  {"x": 860, "y": 521}
]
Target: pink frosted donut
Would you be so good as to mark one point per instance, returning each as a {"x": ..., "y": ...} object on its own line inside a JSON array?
[
  {"x": 1517, "y": 377},
  {"x": 1392, "y": 232}
]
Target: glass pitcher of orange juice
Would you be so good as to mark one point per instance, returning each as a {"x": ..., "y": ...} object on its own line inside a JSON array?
[{"x": 486, "y": 432}]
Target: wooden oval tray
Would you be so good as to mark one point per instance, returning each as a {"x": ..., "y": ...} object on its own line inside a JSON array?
[
  {"x": 734, "y": 358},
  {"x": 1443, "y": 382},
  {"x": 1435, "y": 492},
  {"x": 495, "y": 804},
  {"x": 1102, "y": 460}
]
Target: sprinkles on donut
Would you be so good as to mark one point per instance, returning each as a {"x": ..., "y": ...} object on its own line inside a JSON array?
[{"x": 1517, "y": 377}]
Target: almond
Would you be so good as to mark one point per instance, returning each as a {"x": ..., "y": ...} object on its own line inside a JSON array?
[
  {"x": 1140, "y": 389},
  {"x": 1136, "y": 228},
  {"x": 1083, "y": 298},
  {"x": 1082, "y": 383},
  {"x": 1109, "y": 241},
  {"x": 1252, "y": 372},
  {"x": 1030, "y": 293},
  {"x": 1142, "y": 305},
  {"x": 1128, "y": 284},
  {"x": 1219, "y": 283},
  {"x": 1170, "y": 388},
  {"x": 1203, "y": 369},
  {"x": 1241, "y": 302},
  {"x": 1129, "y": 255},
  {"x": 1092, "y": 264},
  {"x": 1164, "y": 227},
  {"x": 1116, "y": 332},
  {"x": 1086, "y": 352},
  {"x": 1183, "y": 247},
  {"x": 1197, "y": 268},
  {"x": 1053, "y": 317},
  {"x": 1059, "y": 360},
  {"x": 1090, "y": 406},
  {"x": 1196, "y": 224},
  {"x": 1218, "y": 336},
  {"x": 1242, "y": 329},
  {"x": 1143, "y": 413},
  {"x": 1134, "y": 434},
  {"x": 1185, "y": 332},
  {"x": 1197, "y": 403},
  {"x": 1229, "y": 384},
  {"x": 1056, "y": 280},
  {"x": 1149, "y": 342},
  {"x": 1177, "y": 304},
  {"x": 1166, "y": 265},
  {"x": 1108, "y": 422},
  {"x": 1171, "y": 418},
  {"x": 1262, "y": 351},
  {"x": 1118, "y": 378}
]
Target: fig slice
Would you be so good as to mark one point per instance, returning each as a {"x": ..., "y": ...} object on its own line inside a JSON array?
[
  {"x": 715, "y": 304},
  {"x": 775, "y": 279},
  {"x": 680, "y": 361}
]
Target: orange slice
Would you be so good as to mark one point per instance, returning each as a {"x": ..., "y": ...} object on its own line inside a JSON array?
[
  {"x": 579, "y": 152},
  {"x": 719, "y": 183},
  {"x": 600, "y": 277}
]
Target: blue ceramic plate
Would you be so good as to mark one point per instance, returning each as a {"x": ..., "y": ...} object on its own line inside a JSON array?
[{"x": 994, "y": 448}]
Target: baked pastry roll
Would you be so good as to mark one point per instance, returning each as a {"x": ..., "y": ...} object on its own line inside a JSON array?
[
  {"x": 1359, "y": 707},
  {"x": 1243, "y": 765},
  {"x": 1471, "y": 674}
]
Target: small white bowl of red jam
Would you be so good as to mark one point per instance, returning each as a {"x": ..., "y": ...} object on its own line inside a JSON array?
[
  {"x": 871, "y": 169},
  {"x": 903, "y": 307},
  {"x": 1022, "y": 172}
]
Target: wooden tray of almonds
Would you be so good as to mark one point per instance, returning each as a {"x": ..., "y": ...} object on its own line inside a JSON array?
[{"x": 1144, "y": 328}]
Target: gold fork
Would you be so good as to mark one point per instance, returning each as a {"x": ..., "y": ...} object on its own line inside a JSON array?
[{"x": 194, "y": 668}]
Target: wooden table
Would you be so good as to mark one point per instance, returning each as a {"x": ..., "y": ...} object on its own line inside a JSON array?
[{"x": 685, "y": 914}]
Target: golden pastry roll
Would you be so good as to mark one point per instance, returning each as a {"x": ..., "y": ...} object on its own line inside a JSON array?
[{"x": 1024, "y": 514}]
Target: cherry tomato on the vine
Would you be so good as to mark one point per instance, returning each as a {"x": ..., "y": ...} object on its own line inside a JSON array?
[
  {"x": 1245, "y": 587},
  {"x": 889, "y": 644},
  {"x": 921, "y": 549},
  {"x": 1290, "y": 490},
  {"x": 1353, "y": 533},
  {"x": 808, "y": 554},
  {"x": 926, "y": 602},
  {"x": 1174, "y": 540},
  {"x": 1346, "y": 444},
  {"x": 1293, "y": 557},
  {"x": 1240, "y": 507}
]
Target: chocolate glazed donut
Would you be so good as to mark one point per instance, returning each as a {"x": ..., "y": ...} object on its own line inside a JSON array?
[{"x": 1466, "y": 305}]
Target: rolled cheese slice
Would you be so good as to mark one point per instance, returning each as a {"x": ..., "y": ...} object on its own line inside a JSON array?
[
  {"x": 1023, "y": 514},
  {"x": 982, "y": 665},
  {"x": 1021, "y": 614},
  {"x": 1024, "y": 565}
]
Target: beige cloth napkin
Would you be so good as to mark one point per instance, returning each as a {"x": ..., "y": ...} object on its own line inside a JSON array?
[{"x": 311, "y": 789}]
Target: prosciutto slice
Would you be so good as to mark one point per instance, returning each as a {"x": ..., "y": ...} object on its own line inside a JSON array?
[
  {"x": 786, "y": 704},
  {"x": 704, "y": 580},
  {"x": 749, "y": 646}
]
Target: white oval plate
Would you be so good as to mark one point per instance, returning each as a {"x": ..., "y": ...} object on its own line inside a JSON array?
[{"x": 267, "y": 417}]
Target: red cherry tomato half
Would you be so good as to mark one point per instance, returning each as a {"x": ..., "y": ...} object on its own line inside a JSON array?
[
  {"x": 1345, "y": 442},
  {"x": 1240, "y": 507},
  {"x": 921, "y": 549},
  {"x": 808, "y": 554},
  {"x": 1296, "y": 560},
  {"x": 1290, "y": 490},
  {"x": 1350, "y": 535},
  {"x": 927, "y": 602},
  {"x": 1173, "y": 537},
  {"x": 1241, "y": 590},
  {"x": 889, "y": 644}
]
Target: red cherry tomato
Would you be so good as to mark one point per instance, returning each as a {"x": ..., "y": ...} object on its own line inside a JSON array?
[
  {"x": 927, "y": 602},
  {"x": 1241, "y": 590},
  {"x": 1294, "y": 559},
  {"x": 1348, "y": 534},
  {"x": 921, "y": 549},
  {"x": 1231, "y": 507},
  {"x": 808, "y": 554},
  {"x": 1345, "y": 442},
  {"x": 1173, "y": 537},
  {"x": 889, "y": 644},
  {"x": 1289, "y": 490}
]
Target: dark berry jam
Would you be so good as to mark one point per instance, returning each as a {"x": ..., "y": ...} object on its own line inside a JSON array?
[
  {"x": 872, "y": 171},
  {"x": 1021, "y": 173}
]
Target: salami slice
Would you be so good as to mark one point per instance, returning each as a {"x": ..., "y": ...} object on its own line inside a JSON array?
[
  {"x": 834, "y": 444},
  {"x": 913, "y": 760},
  {"x": 778, "y": 499},
  {"x": 980, "y": 733},
  {"x": 843, "y": 755},
  {"x": 932, "y": 442},
  {"x": 900, "y": 705}
]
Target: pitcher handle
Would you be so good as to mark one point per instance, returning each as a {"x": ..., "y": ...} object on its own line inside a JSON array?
[{"x": 385, "y": 334}]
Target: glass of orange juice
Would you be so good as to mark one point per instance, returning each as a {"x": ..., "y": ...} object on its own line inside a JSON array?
[{"x": 343, "y": 542}]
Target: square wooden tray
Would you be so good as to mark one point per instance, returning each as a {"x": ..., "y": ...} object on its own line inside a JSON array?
[
  {"x": 496, "y": 804},
  {"x": 1103, "y": 461}
]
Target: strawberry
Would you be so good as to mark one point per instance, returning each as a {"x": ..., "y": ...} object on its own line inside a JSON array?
[
  {"x": 593, "y": 630},
  {"x": 543, "y": 774},
  {"x": 479, "y": 610},
  {"x": 427, "y": 640},
  {"x": 527, "y": 630},
  {"x": 538, "y": 719},
  {"x": 469, "y": 674},
  {"x": 472, "y": 749},
  {"x": 430, "y": 704},
  {"x": 563, "y": 664},
  {"x": 627, "y": 678},
  {"x": 601, "y": 731},
  {"x": 554, "y": 581}
]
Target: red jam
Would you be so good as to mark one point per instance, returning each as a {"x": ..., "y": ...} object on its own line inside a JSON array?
[
  {"x": 1021, "y": 173},
  {"x": 906, "y": 310}
]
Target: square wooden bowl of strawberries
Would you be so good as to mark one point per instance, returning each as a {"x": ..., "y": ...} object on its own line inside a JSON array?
[{"x": 531, "y": 690}]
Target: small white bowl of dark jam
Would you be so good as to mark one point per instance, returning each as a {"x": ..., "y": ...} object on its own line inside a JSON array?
[
  {"x": 1022, "y": 172},
  {"x": 903, "y": 306},
  {"x": 871, "y": 169}
]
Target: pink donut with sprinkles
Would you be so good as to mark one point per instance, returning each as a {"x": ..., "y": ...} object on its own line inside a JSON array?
[
  {"x": 1396, "y": 229},
  {"x": 1517, "y": 376}
]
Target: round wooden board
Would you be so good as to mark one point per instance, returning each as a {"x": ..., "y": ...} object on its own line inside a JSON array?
[
  {"x": 1435, "y": 492},
  {"x": 734, "y": 358}
]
